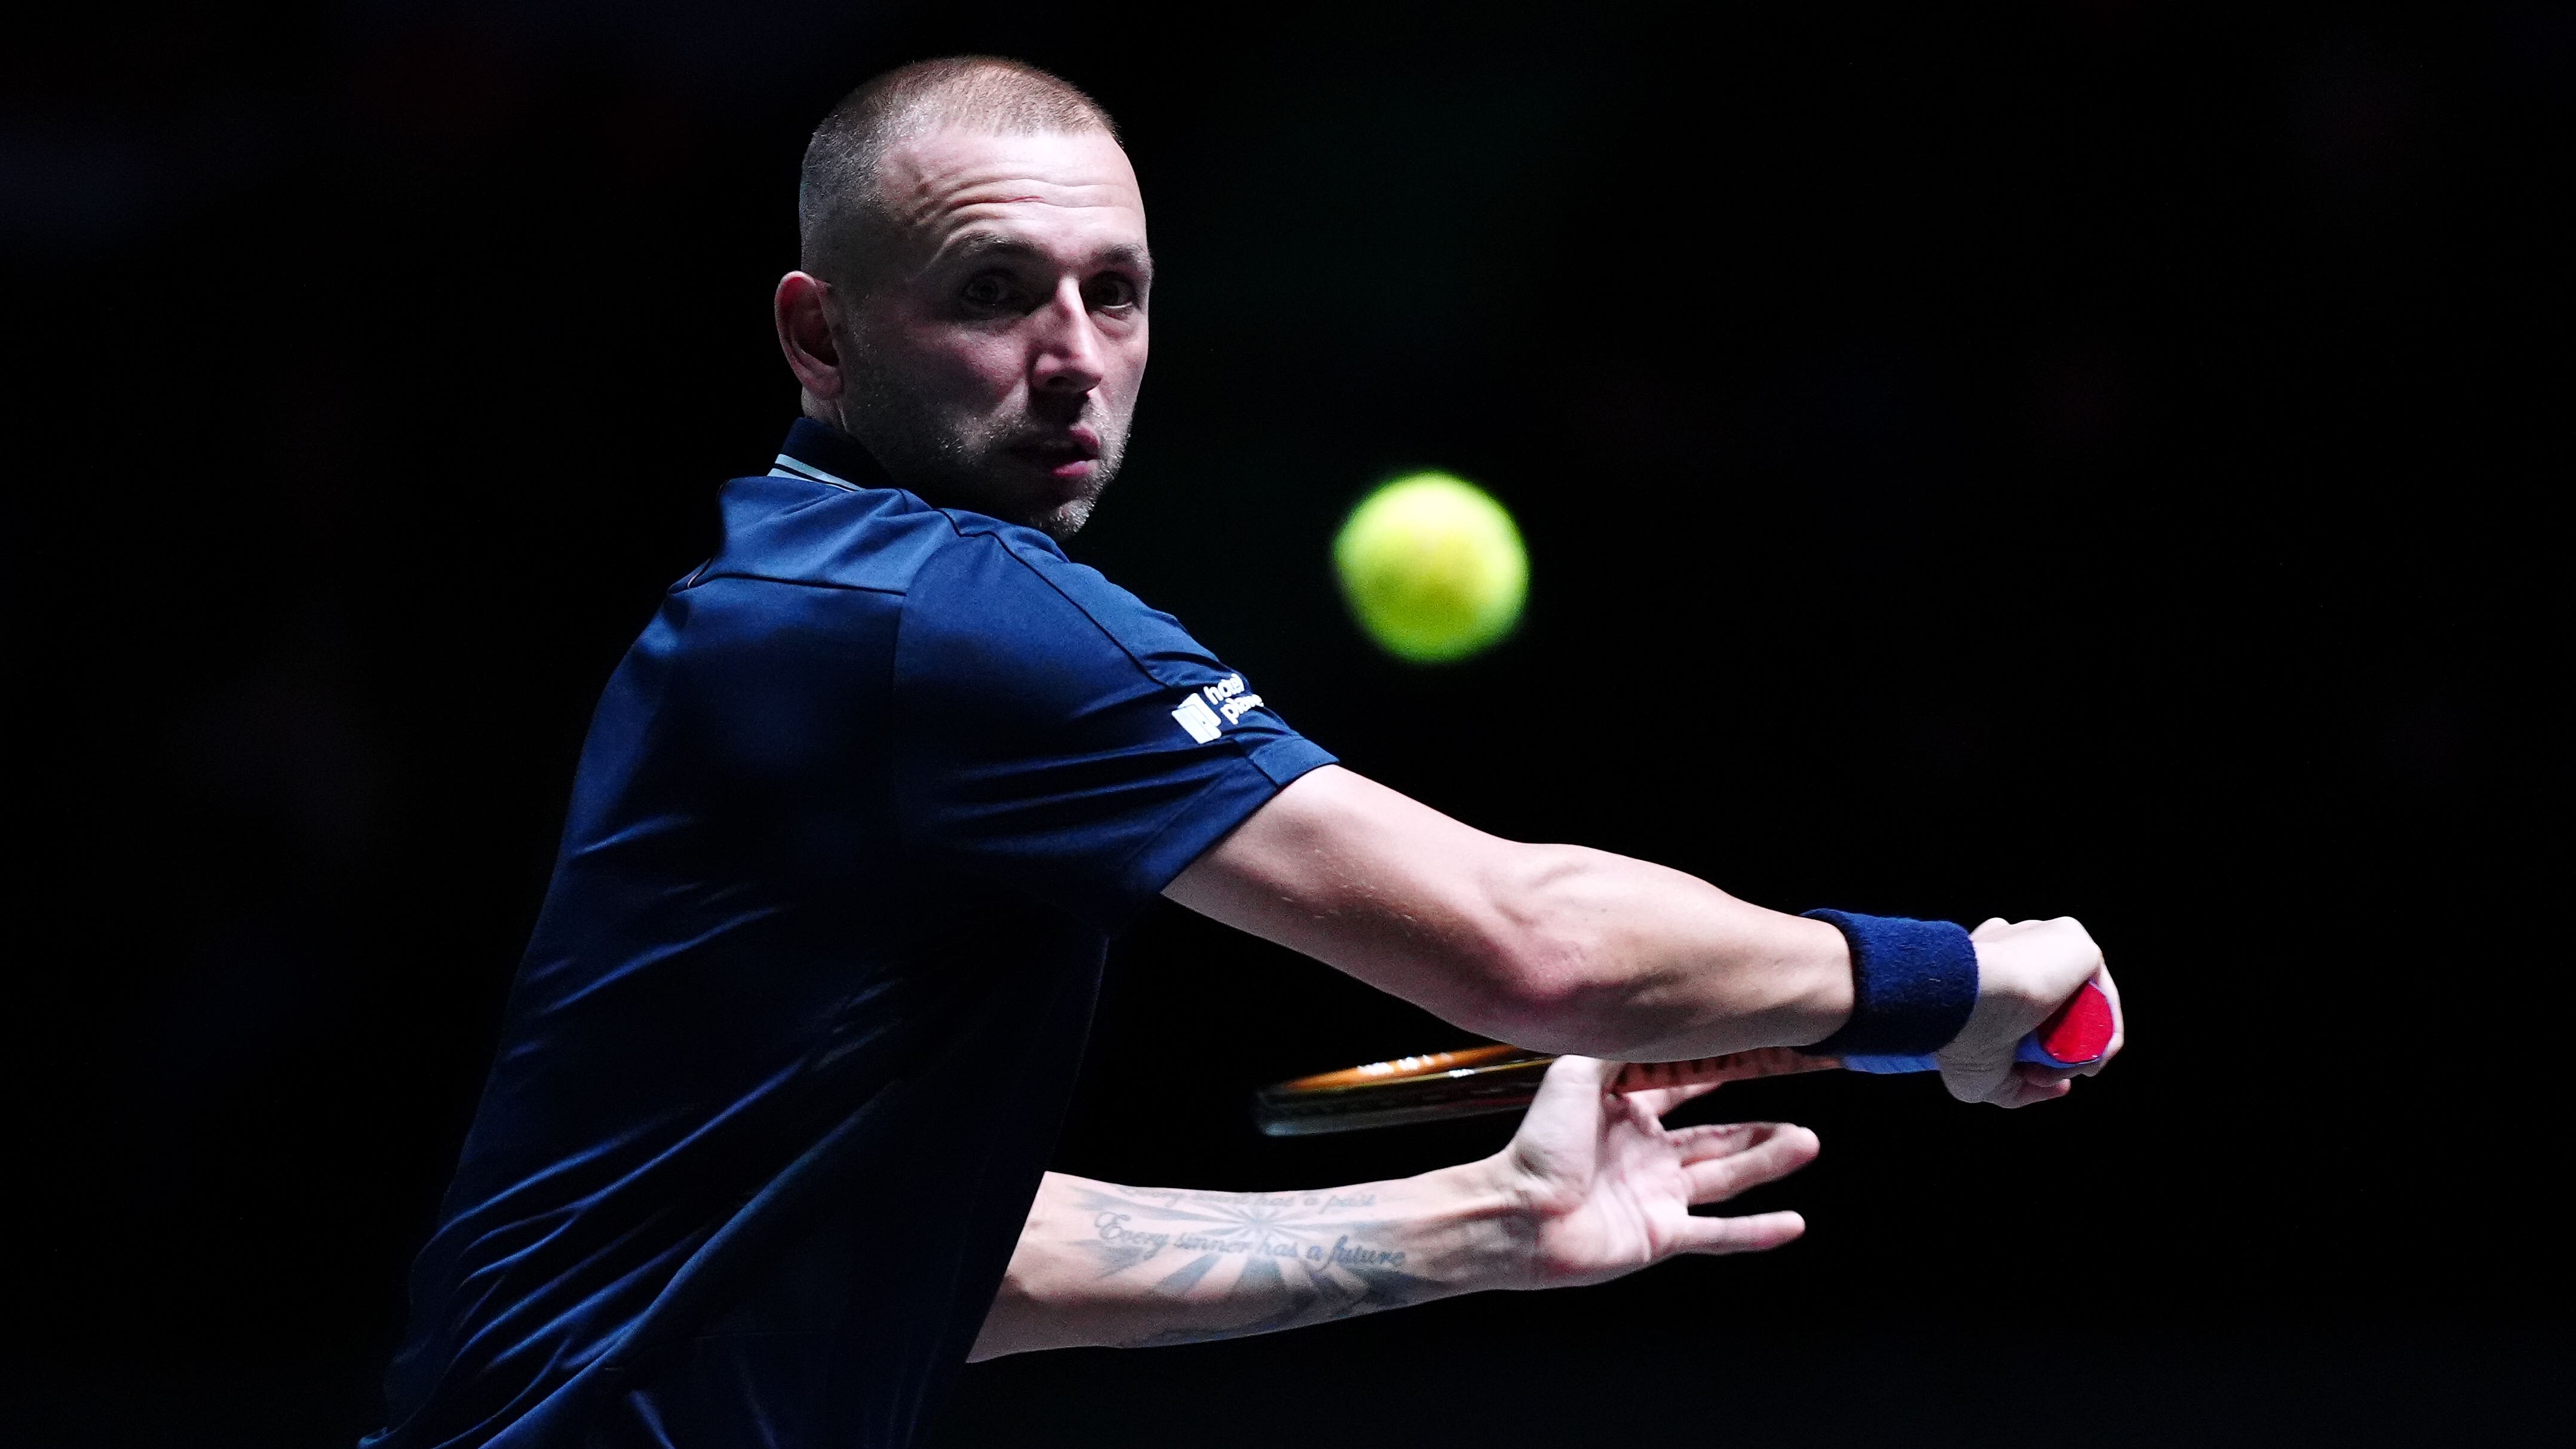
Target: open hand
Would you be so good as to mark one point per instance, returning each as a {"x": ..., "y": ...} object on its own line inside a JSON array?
[{"x": 1606, "y": 1190}]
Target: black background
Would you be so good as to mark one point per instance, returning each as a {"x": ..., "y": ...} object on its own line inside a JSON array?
[{"x": 2097, "y": 459}]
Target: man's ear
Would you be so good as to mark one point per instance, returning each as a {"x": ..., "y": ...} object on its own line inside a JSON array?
[{"x": 803, "y": 312}]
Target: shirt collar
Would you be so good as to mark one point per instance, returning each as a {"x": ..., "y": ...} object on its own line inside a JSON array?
[{"x": 820, "y": 453}]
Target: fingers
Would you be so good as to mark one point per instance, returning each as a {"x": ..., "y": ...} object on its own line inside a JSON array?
[
  {"x": 2009, "y": 1084},
  {"x": 1771, "y": 1152},
  {"x": 2013, "y": 1084},
  {"x": 2027, "y": 970},
  {"x": 1756, "y": 1233},
  {"x": 2023, "y": 1084},
  {"x": 1717, "y": 1139},
  {"x": 1977, "y": 1080},
  {"x": 1996, "y": 927},
  {"x": 2029, "y": 1084}
]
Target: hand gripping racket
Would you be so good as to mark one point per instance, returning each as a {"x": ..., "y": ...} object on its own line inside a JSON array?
[{"x": 1474, "y": 1081}]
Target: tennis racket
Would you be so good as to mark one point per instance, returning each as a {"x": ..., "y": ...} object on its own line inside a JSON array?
[{"x": 1476, "y": 1081}]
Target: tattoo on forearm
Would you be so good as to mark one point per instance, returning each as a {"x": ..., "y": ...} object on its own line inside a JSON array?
[{"x": 1306, "y": 1257}]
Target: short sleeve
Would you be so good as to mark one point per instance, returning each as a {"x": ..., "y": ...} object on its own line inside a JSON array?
[{"x": 1055, "y": 735}]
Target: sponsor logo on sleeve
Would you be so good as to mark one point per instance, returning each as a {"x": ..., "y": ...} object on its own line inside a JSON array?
[
  {"x": 1195, "y": 716},
  {"x": 1199, "y": 710}
]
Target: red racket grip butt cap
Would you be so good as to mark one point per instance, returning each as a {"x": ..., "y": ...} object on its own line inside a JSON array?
[{"x": 2080, "y": 1031}]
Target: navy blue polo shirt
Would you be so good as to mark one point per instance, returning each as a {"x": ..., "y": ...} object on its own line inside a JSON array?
[{"x": 792, "y": 1041}]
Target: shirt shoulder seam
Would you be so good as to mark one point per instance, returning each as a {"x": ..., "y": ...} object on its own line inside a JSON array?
[
  {"x": 1013, "y": 554},
  {"x": 706, "y": 577}
]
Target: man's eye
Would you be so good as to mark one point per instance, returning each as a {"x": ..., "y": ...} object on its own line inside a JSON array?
[
  {"x": 1112, "y": 292},
  {"x": 989, "y": 290}
]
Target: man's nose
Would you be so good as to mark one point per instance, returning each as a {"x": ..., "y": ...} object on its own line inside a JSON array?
[{"x": 1070, "y": 358}]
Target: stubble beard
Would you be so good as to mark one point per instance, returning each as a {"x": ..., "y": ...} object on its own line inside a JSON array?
[{"x": 960, "y": 461}]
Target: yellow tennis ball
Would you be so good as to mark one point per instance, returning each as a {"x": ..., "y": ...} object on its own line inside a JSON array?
[{"x": 1433, "y": 568}]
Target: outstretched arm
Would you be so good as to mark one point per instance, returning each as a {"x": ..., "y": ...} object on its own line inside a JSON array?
[
  {"x": 1560, "y": 948},
  {"x": 1590, "y": 1188}
]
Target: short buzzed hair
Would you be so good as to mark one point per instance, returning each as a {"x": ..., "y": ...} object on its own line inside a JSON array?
[{"x": 839, "y": 211}]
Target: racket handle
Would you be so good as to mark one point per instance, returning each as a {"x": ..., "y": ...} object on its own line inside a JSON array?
[{"x": 2076, "y": 1036}]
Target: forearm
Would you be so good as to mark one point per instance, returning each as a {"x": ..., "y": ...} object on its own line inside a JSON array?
[
  {"x": 1547, "y": 946},
  {"x": 1131, "y": 1267},
  {"x": 1628, "y": 959}
]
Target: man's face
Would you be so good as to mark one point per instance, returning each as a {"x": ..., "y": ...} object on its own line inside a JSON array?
[{"x": 992, "y": 362}]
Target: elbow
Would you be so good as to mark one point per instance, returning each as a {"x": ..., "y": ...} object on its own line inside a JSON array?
[
  {"x": 1548, "y": 1016},
  {"x": 1552, "y": 980},
  {"x": 1553, "y": 1004}
]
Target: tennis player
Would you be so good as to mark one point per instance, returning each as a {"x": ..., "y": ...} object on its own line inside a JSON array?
[{"x": 761, "y": 1159}]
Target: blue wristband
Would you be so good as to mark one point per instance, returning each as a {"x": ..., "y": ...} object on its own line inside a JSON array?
[{"x": 1913, "y": 985}]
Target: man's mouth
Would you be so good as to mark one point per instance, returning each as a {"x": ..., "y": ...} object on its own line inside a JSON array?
[{"x": 1070, "y": 456}]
